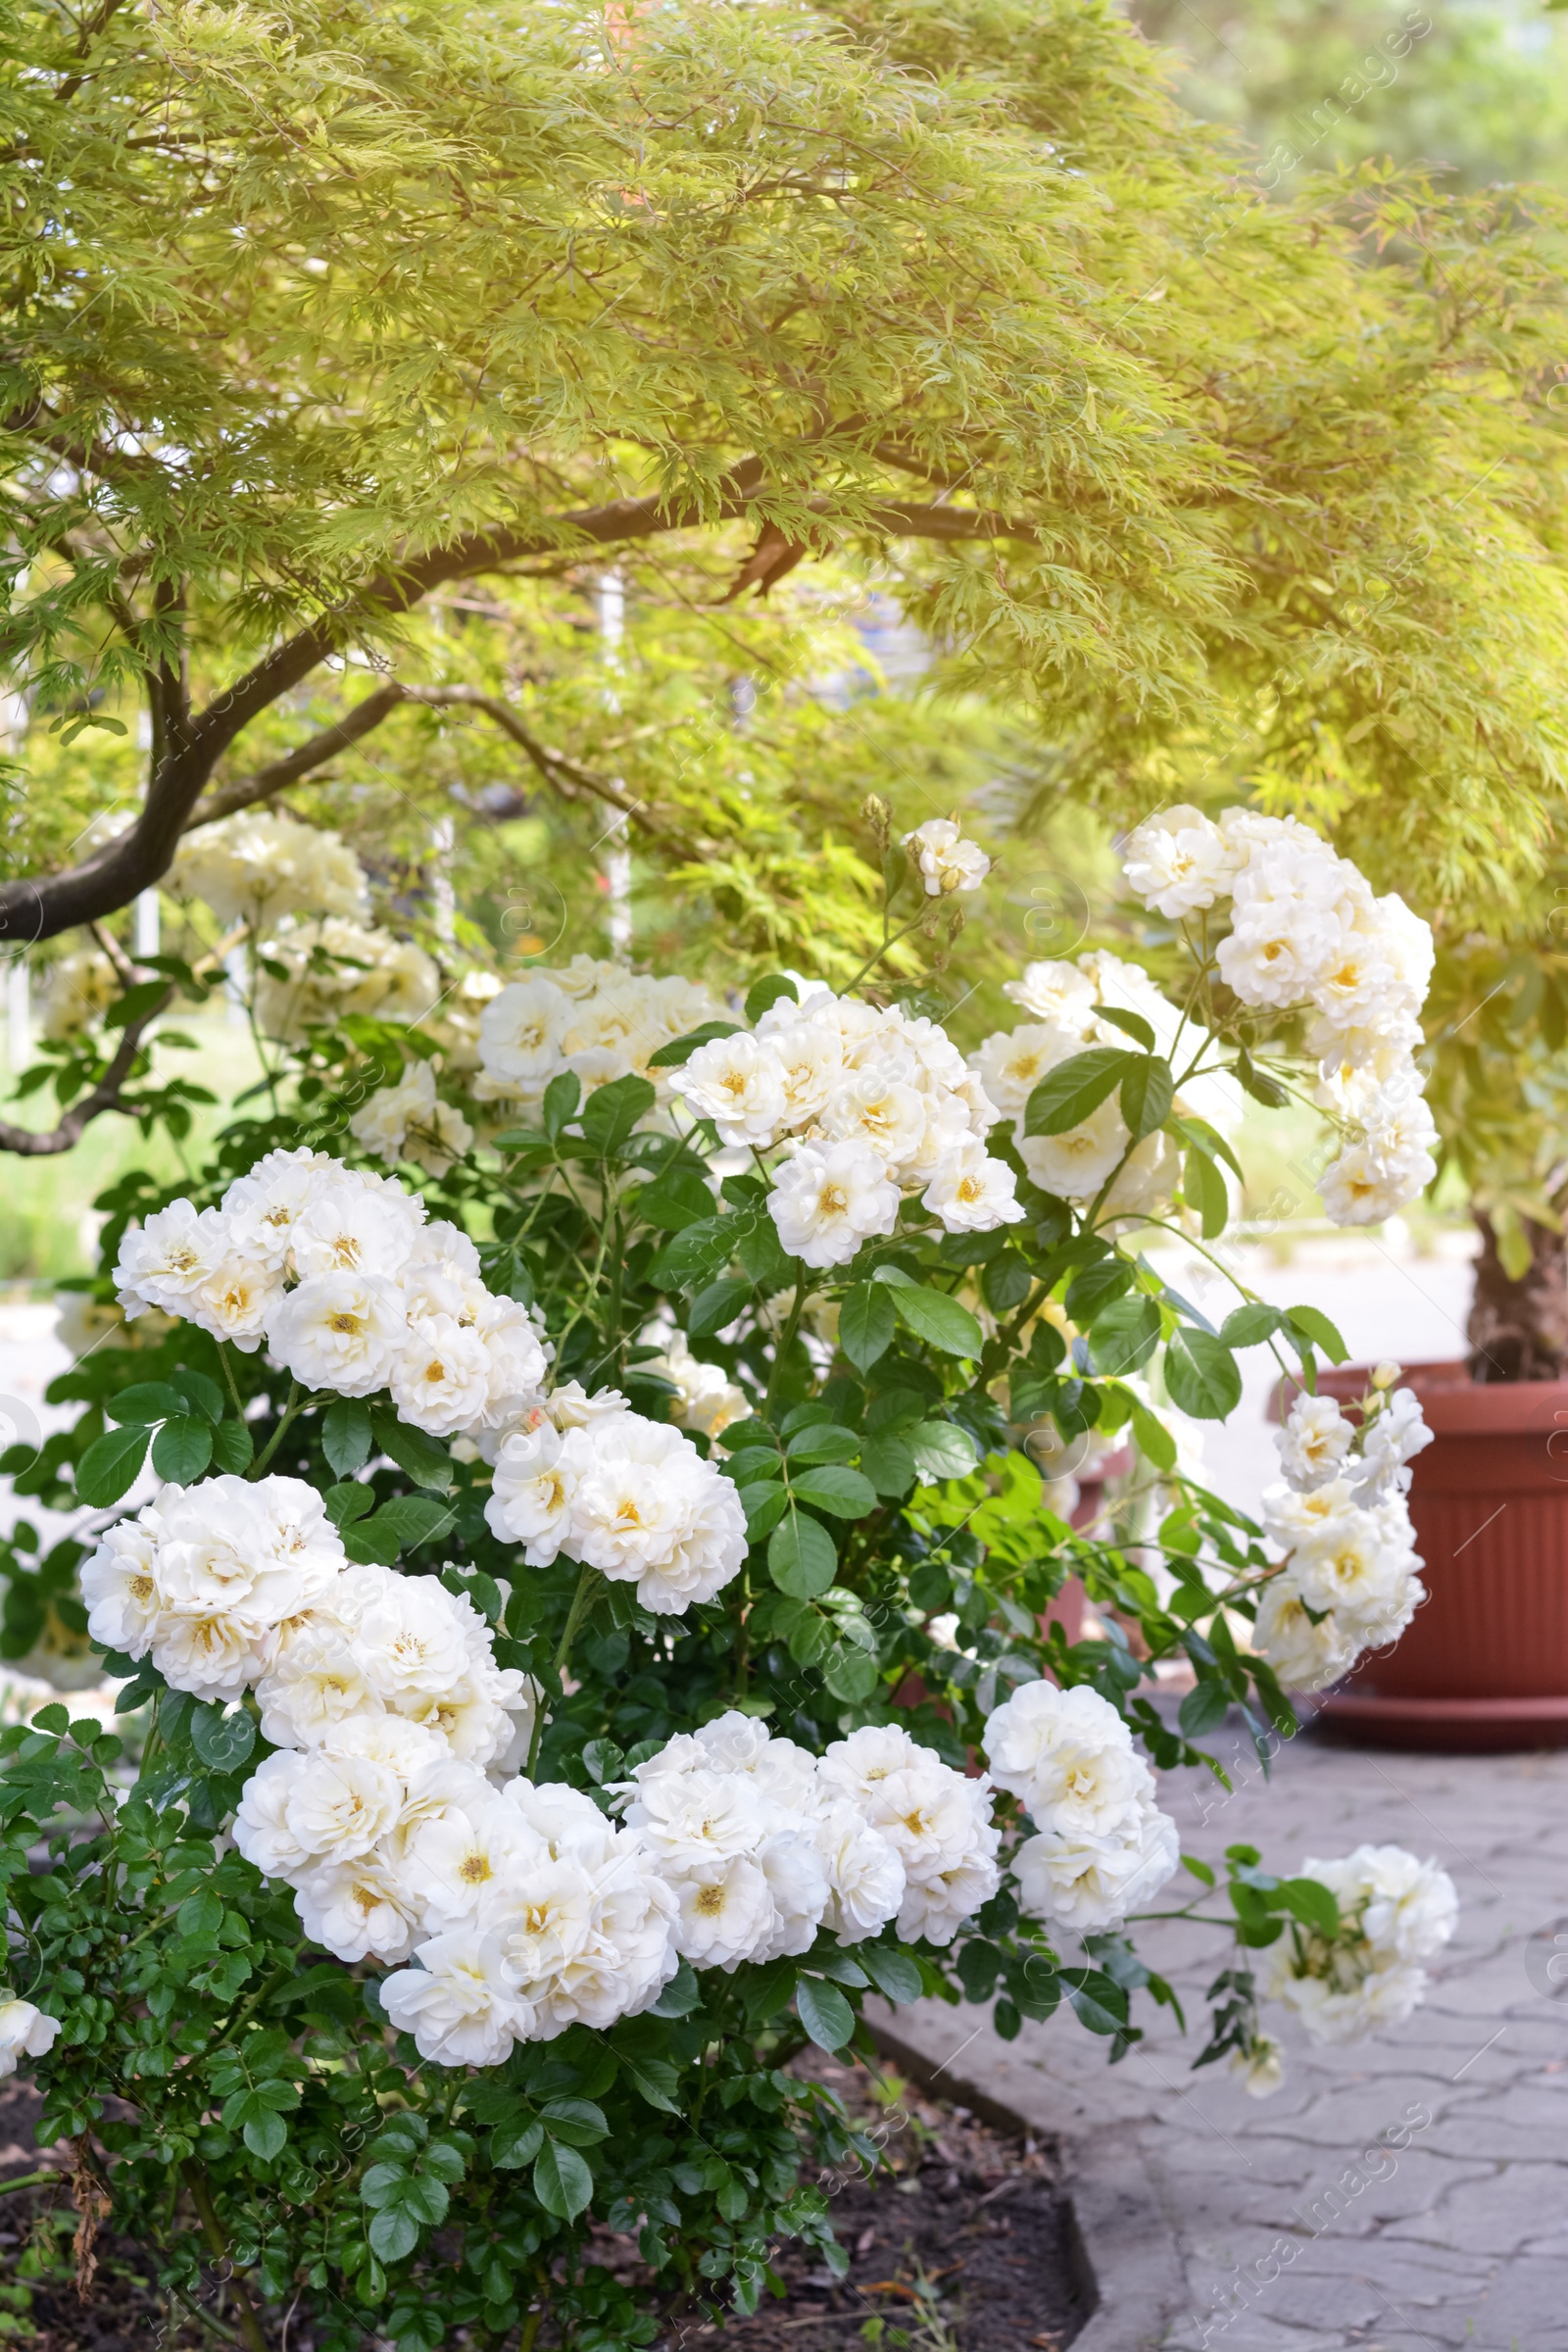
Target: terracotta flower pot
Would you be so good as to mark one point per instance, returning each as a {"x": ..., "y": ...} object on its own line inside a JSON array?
[{"x": 1483, "y": 1666}]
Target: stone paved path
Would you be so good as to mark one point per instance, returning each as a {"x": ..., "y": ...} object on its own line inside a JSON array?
[{"x": 1456, "y": 2235}]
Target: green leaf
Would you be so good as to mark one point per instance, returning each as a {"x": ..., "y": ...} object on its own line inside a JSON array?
[
  {"x": 1202, "y": 1708},
  {"x": 265, "y": 2133},
  {"x": 680, "y": 1996},
  {"x": 392, "y": 2234},
  {"x": 611, "y": 1112},
  {"x": 802, "y": 1557},
  {"x": 346, "y": 1435},
  {"x": 680, "y": 1050},
  {"x": 1203, "y": 1188},
  {"x": 1154, "y": 1441},
  {"x": 937, "y": 1319},
  {"x": 1311, "y": 1902},
  {"x": 561, "y": 1097},
  {"x": 427, "y": 1463},
  {"x": 148, "y": 1401},
  {"x": 1201, "y": 1374},
  {"x": 182, "y": 1448},
  {"x": 1258, "y": 1084},
  {"x": 200, "y": 1914},
  {"x": 513, "y": 2145},
  {"x": 717, "y": 1305},
  {"x": 1309, "y": 1324},
  {"x": 822, "y": 1442},
  {"x": 137, "y": 1002},
  {"x": 836, "y": 1489},
  {"x": 1211, "y": 1142},
  {"x": 370, "y": 1543},
  {"x": 201, "y": 1395},
  {"x": 562, "y": 2182},
  {"x": 895, "y": 1974},
  {"x": 675, "y": 1201},
  {"x": 222, "y": 1742},
  {"x": 941, "y": 1451},
  {"x": 764, "y": 994},
  {"x": 866, "y": 1324},
  {"x": 1146, "y": 1094},
  {"x": 415, "y": 1519},
  {"x": 111, "y": 1465},
  {"x": 577, "y": 2121},
  {"x": 696, "y": 1253},
  {"x": 1091, "y": 1290},
  {"x": 889, "y": 1464},
  {"x": 1066, "y": 1095},
  {"x": 850, "y": 1674},
  {"x": 824, "y": 2013},
  {"x": 346, "y": 1502},
  {"x": 765, "y": 1503},
  {"x": 1125, "y": 1335},
  {"x": 1248, "y": 1326},
  {"x": 1131, "y": 1025},
  {"x": 1007, "y": 1282},
  {"x": 233, "y": 1447}
]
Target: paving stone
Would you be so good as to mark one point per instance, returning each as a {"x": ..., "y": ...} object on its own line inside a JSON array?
[{"x": 1463, "y": 2247}]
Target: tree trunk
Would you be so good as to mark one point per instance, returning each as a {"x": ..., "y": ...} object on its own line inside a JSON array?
[{"x": 1518, "y": 1329}]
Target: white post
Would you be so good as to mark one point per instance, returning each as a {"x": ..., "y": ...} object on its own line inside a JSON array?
[
  {"x": 444, "y": 840},
  {"x": 147, "y": 926},
  {"x": 615, "y": 846},
  {"x": 19, "y": 1016}
]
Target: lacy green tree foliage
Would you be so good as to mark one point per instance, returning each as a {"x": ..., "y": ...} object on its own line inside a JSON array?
[
  {"x": 597, "y": 1621},
  {"x": 311, "y": 315}
]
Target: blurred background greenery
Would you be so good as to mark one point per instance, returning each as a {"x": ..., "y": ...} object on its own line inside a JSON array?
[{"x": 782, "y": 715}]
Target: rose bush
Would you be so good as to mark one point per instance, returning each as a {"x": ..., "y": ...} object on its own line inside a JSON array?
[{"x": 591, "y": 1624}]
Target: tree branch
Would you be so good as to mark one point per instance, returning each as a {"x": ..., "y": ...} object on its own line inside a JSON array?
[
  {"x": 558, "y": 772},
  {"x": 32, "y": 909},
  {"x": 105, "y": 1096}
]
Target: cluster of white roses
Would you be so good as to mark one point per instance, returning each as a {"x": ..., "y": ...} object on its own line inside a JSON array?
[
  {"x": 630, "y": 1496},
  {"x": 1307, "y": 934},
  {"x": 1101, "y": 1842},
  {"x": 262, "y": 865},
  {"x": 1395, "y": 1913},
  {"x": 316, "y": 973},
  {"x": 873, "y": 1105},
  {"x": 527, "y": 1910},
  {"x": 1065, "y": 1003},
  {"x": 1350, "y": 1582},
  {"x": 350, "y": 1288},
  {"x": 762, "y": 1842},
  {"x": 410, "y": 1121},
  {"x": 597, "y": 1019},
  {"x": 233, "y": 1585}
]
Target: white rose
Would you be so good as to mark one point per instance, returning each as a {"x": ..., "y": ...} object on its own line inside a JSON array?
[
  {"x": 167, "y": 1263},
  {"x": 1314, "y": 1440},
  {"x": 440, "y": 1376},
  {"x": 972, "y": 1193},
  {"x": 357, "y": 1225},
  {"x": 1177, "y": 862},
  {"x": 737, "y": 1082},
  {"x": 1068, "y": 1757},
  {"x": 947, "y": 861},
  {"x": 829, "y": 1199},
  {"x": 340, "y": 1332},
  {"x": 26, "y": 2031},
  {"x": 459, "y": 2004},
  {"x": 530, "y": 1498},
  {"x": 358, "y": 1910}
]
